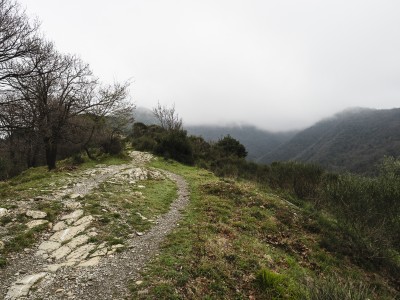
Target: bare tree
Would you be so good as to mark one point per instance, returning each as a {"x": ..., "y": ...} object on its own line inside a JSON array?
[
  {"x": 18, "y": 39},
  {"x": 59, "y": 88},
  {"x": 168, "y": 117}
]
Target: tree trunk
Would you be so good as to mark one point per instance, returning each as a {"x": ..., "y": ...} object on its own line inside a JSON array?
[
  {"x": 32, "y": 155},
  {"x": 51, "y": 154},
  {"x": 88, "y": 153}
]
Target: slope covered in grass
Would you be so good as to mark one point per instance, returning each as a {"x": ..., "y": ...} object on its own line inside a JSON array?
[{"x": 238, "y": 242}]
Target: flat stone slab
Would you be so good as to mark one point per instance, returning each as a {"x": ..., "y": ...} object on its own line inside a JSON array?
[
  {"x": 36, "y": 214},
  {"x": 81, "y": 253},
  {"x": 83, "y": 220},
  {"x": 36, "y": 223},
  {"x": 90, "y": 262},
  {"x": 68, "y": 233},
  {"x": 61, "y": 252},
  {"x": 59, "y": 226},
  {"x": 75, "y": 215},
  {"x": 21, "y": 287},
  {"x": 49, "y": 246},
  {"x": 77, "y": 241}
]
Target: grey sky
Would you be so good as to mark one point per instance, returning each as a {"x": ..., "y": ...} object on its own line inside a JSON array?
[{"x": 279, "y": 64}]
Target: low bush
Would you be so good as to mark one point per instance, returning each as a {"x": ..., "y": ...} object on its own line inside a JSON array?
[
  {"x": 113, "y": 146},
  {"x": 144, "y": 143},
  {"x": 175, "y": 145}
]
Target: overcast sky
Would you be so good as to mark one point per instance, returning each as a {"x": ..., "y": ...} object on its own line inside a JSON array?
[{"x": 279, "y": 64}]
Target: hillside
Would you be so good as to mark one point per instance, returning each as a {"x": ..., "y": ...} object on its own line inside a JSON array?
[
  {"x": 354, "y": 140},
  {"x": 114, "y": 230},
  {"x": 256, "y": 141}
]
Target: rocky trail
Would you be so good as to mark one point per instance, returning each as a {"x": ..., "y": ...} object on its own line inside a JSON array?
[{"x": 68, "y": 262}]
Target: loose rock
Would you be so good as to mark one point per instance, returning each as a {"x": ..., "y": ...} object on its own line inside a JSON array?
[
  {"x": 36, "y": 214},
  {"x": 3, "y": 212}
]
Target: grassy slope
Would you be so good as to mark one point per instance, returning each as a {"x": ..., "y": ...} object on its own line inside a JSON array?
[{"x": 236, "y": 242}]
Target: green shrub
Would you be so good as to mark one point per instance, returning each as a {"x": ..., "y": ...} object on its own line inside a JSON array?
[
  {"x": 77, "y": 159},
  {"x": 229, "y": 146},
  {"x": 113, "y": 146},
  {"x": 175, "y": 145},
  {"x": 301, "y": 179},
  {"x": 144, "y": 143}
]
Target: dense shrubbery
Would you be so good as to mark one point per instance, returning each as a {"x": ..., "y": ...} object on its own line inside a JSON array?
[
  {"x": 113, "y": 146},
  {"x": 221, "y": 157},
  {"x": 367, "y": 209},
  {"x": 175, "y": 145}
]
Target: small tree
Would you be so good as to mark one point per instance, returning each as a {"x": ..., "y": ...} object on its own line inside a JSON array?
[
  {"x": 168, "y": 118},
  {"x": 229, "y": 146}
]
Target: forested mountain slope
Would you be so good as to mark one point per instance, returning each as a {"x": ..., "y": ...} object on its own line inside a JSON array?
[{"x": 354, "y": 140}]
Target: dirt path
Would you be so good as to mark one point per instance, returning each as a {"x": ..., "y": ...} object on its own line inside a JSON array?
[{"x": 69, "y": 271}]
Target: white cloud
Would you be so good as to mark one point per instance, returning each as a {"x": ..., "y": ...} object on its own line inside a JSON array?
[{"x": 277, "y": 64}]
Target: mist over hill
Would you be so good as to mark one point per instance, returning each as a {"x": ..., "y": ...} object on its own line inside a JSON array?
[
  {"x": 256, "y": 141},
  {"x": 354, "y": 140},
  {"x": 144, "y": 115}
]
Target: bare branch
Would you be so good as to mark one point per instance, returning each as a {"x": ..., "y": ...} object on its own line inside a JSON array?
[{"x": 167, "y": 117}]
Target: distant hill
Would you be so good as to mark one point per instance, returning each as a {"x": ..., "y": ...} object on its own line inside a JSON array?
[
  {"x": 355, "y": 140},
  {"x": 256, "y": 141}
]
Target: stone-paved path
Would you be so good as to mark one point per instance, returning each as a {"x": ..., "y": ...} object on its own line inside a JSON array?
[{"x": 79, "y": 269}]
